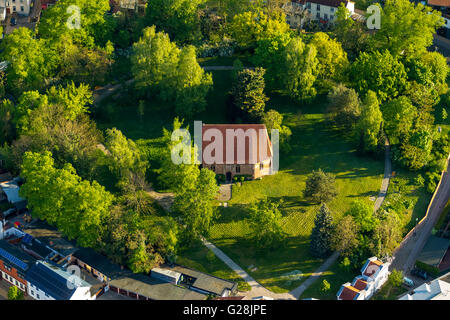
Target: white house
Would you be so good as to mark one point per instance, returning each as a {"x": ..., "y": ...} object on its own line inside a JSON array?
[
  {"x": 322, "y": 10},
  {"x": 374, "y": 274},
  {"x": 49, "y": 282},
  {"x": 22, "y": 7},
  {"x": 438, "y": 289}
]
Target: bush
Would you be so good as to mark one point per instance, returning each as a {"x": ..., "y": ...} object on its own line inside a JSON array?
[{"x": 220, "y": 178}]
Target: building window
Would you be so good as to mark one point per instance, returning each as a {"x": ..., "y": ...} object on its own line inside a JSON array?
[
  {"x": 318, "y": 15},
  {"x": 238, "y": 169},
  {"x": 7, "y": 267},
  {"x": 38, "y": 296},
  {"x": 308, "y": 5},
  {"x": 332, "y": 9},
  {"x": 318, "y": 7},
  {"x": 325, "y": 16},
  {"x": 213, "y": 168},
  {"x": 22, "y": 8},
  {"x": 14, "y": 8},
  {"x": 32, "y": 292}
]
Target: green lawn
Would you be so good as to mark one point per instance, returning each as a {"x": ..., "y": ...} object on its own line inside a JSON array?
[
  {"x": 389, "y": 292},
  {"x": 336, "y": 276}
]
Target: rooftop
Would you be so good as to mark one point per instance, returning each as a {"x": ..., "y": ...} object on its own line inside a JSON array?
[
  {"x": 50, "y": 237},
  {"x": 434, "y": 290},
  {"x": 54, "y": 280},
  {"x": 154, "y": 289},
  {"x": 99, "y": 262},
  {"x": 348, "y": 292},
  {"x": 434, "y": 251},
  {"x": 15, "y": 256}
]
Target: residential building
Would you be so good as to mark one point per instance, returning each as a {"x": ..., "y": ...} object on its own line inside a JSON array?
[
  {"x": 237, "y": 150},
  {"x": 323, "y": 11},
  {"x": 50, "y": 282},
  {"x": 21, "y": 7},
  {"x": 14, "y": 264},
  {"x": 374, "y": 274},
  {"x": 438, "y": 289}
]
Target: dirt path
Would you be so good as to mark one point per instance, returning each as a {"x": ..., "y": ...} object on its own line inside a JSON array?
[{"x": 386, "y": 178}]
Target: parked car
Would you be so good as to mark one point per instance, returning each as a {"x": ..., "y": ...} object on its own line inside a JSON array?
[
  {"x": 408, "y": 282},
  {"x": 13, "y": 21},
  {"x": 420, "y": 273}
]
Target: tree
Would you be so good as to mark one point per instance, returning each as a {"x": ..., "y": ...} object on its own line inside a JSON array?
[
  {"x": 332, "y": 58},
  {"x": 370, "y": 123},
  {"x": 249, "y": 27},
  {"x": 31, "y": 61},
  {"x": 265, "y": 221},
  {"x": 387, "y": 235},
  {"x": 15, "y": 293},
  {"x": 363, "y": 216},
  {"x": 76, "y": 207},
  {"x": 320, "y": 187},
  {"x": 380, "y": 72},
  {"x": 127, "y": 161},
  {"x": 345, "y": 236},
  {"x": 416, "y": 150},
  {"x": 344, "y": 106},
  {"x": 300, "y": 67},
  {"x": 248, "y": 92},
  {"x": 179, "y": 18},
  {"x": 325, "y": 287},
  {"x": 396, "y": 278},
  {"x": 273, "y": 120},
  {"x": 406, "y": 28},
  {"x": 322, "y": 232},
  {"x": 398, "y": 115},
  {"x": 160, "y": 67},
  {"x": 7, "y": 127}
]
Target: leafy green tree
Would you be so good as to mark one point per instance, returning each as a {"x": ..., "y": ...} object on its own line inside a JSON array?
[
  {"x": 300, "y": 67},
  {"x": 406, "y": 28},
  {"x": 332, "y": 58},
  {"x": 387, "y": 235},
  {"x": 249, "y": 27},
  {"x": 396, "y": 278},
  {"x": 345, "y": 236},
  {"x": 398, "y": 115},
  {"x": 7, "y": 127},
  {"x": 179, "y": 18},
  {"x": 325, "y": 287},
  {"x": 15, "y": 293},
  {"x": 321, "y": 235},
  {"x": 127, "y": 161},
  {"x": 416, "y": 151},
  {"x": 248, "y": 92},
  {"x": 320, "y": 187},
  {"x": 76, "y": 207},
  {"x": 370, "y": 123},
  {"x": 344, "y": 106},
  {"x": 363, "y": 216},
  {"x": 55, "y": 20},
  {"x": 273, "y": 120},
  {"x": 380, "y": 72},
  {"x": 31, "y": 61},
  {"x": 269, "y": 54},
  {"x": 159, "y": 66},
  {"x": 444, "y": 114},
  {"x": 265, "y": 221}
]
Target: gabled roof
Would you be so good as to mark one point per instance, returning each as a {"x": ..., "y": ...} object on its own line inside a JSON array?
[
  {"x": 439, "y": 3},
  {"x": 371, "y": 266},
  {"x": 50, "y": 237},
  {"x": 54, "y": 280},
  {"x": 251, "y": 145},
  {"x": 348, "y": 292},
  {"x": 13, "y": 255},
  {"x": 359, "y": 284},
  {"x": 434, "y": 290},
  {"x": 99, "y": 262}
]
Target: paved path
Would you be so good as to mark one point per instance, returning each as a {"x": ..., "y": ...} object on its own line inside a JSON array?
[
  {"x": 407, "y": 253},
  {"x": 386, "y": 178},
  {"x": 225, "y": 192}
]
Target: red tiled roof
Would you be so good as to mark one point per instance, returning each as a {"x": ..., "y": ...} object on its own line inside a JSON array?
[
  {"x": 348, "y": 293},
  {"x": 439, "y": 3},
  {"x": 372, "y": 267},
  {"x": 360, "y": 284},
  {"x": 261, "y": 138}
]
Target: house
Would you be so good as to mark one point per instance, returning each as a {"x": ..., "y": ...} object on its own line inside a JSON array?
[
  {"x": 96, "y": 264},
  {"x": 438, "y": 289},
  {"x": 142, "y": 287},
  {"x": 319, "y": 10},
  {"x": 374, "y": 274},
  {"x": 14, "y": 264},
  {"x": 199, "y": 281},
  {"x": 50, "y": 282},
  {"x": 21, "y": 7},
  {"x": 237, "y": 150},
  {"x": 435, "y": 254}
]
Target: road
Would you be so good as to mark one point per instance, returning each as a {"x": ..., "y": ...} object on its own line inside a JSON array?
[
  {"x": 407, "y": 253},
  {"x": 442, "y": 45}
]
